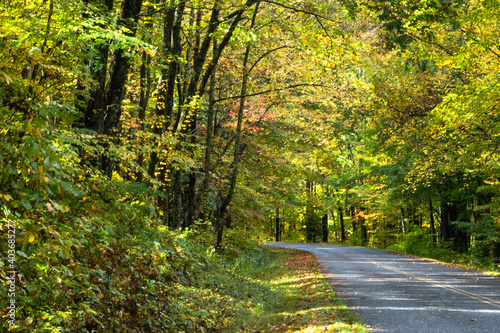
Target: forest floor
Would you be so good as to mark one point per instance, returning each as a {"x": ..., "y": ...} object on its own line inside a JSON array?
[{"x": 305, "y": 301}]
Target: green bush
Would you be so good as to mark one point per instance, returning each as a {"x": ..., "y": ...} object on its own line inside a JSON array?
[{"x": 417, "y": 242}]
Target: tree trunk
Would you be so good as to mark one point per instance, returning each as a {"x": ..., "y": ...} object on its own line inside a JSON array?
[
  {"x": 92, "y": 107},
  {"x": 458, "y": 213},
  {"x": 403, "y": 222},
  {"x": 207, "y": 166},
  {"x": 219, "y": 230},
  {"x": 325, "y": 228},
  {"x": 431, "y": 219},
  {"x": 271, "y": 225},
  {"x": 363, "y": 229},
  {"x": 115, "y": 89},
  {"x": 172, "y": 50},
  {"x": 278, "y": 229},
  {"x": 342, "y": 227},
  {"x": 352, "y": 214},
  {"x": 144, "y": 94},
  {"x": 237, "y": 141}
]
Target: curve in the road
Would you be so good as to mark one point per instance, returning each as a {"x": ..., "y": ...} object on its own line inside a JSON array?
[
  {"x": 398, "y": 294},
  {"x": 444, "y": 286}
]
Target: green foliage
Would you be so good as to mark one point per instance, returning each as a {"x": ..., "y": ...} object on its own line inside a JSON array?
[
  {"x": 313, "y": 228},
  {"x": 418, "y": 242}
]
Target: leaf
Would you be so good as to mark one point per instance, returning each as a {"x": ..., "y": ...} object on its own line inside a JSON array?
[
  {"x": 7, "y": 197},
  {"x": 7, "y": 78},
  {"x": 22, "y": 254},
  {"x": 66, "y": 186},
  {"x": 31, "y": 287},
  {"x": 57, "y": 206},
  {"x": 26, "y": 204},
  {"x": 27, "y": 126},
  {"x": 38, "y": 134}
]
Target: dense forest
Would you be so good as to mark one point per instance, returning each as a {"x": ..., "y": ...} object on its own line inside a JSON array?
[{"x": 139, "y": 139}]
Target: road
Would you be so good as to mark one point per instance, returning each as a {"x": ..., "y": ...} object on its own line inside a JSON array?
[{"x": 397, "y": 294}]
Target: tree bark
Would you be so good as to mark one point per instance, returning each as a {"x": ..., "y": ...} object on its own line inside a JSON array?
[
  {"x": 352, "y": 214},
  {"x": 91, "y": 107},
  {"x": 205, "y": 183},
  {"x": 431, "y": 219},
  {"x": 403, "y": 222},
  {"x": 237, "y": 141},
  {"x": 363, "y": 229},
  {"x": 325, "y": 228},
  {"x": 278, "y": 228},
  {"x": 445, "y": 222},
  {"x": 144, "y": 94},
  {"x": 115, "y": 89},
  {"x": 172, "y": 50},
  {"x": 342, "y": 227}
]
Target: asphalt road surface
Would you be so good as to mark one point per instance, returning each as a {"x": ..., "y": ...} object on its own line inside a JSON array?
[{"x": 398, "y": 294}]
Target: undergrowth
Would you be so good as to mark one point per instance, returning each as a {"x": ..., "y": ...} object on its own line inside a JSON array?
[
  {"x": 417, "y": 242},
  {"x": 159, "y": 280}
]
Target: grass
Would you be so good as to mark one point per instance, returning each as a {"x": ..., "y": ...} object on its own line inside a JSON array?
[{"x": 301, "y": 301}]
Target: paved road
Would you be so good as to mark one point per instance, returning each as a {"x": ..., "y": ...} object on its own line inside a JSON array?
[{"x": 397, "y": 294}]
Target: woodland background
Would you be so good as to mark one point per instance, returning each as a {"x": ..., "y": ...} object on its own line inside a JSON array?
[{"x": 140, "y": 140}]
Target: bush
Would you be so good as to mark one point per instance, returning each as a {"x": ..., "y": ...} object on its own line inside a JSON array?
[{"x": 417, "y": 242}]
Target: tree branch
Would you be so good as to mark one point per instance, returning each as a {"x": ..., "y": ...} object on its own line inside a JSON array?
[
  {"x": 300, "y": 10},
  {"x": 270, "y": 91},
  {"x": 266, "y": 54}
]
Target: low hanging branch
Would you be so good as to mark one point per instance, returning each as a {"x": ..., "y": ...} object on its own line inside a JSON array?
[
  {"x": 270, "y": 91},
  {"x": 302, "y": 10},
  {"x": 265, "y": 54}
]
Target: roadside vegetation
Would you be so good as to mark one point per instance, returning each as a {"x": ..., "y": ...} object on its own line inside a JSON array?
[
  {"x": 302, "y": 301},
  {"x": 155, "y": 280}
]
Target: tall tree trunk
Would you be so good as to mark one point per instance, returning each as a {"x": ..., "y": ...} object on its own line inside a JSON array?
[
  {"x": 403, "y": 221},
  {"x": 115, "y": 89},
  {"x": 91, "y": 107},
  {"x": 342, "y": 227},
  {"x": 278, "y": 228},
  {"x": 431, "y": 219},
  {"x": 271, "y": 224},
  {"x": 352, "y": 214},
  {"x": 237, "y": 141},
  {"x": 324, "y": 222},
  {"x": 144, "y": 94},
  {"x": 363, "y": 229},
  {"x": 312, "y": 223},
  {"x": 219, "y": 227},
  {"x": 458, "y": 213},
  {"x": 172, "y": 50},
  {"x": 207, "y": 166},
  {"x": 192, "y": 206}
]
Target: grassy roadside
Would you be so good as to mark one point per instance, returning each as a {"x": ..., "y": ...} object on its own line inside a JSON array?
[{"x": 303, "y": 301}]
